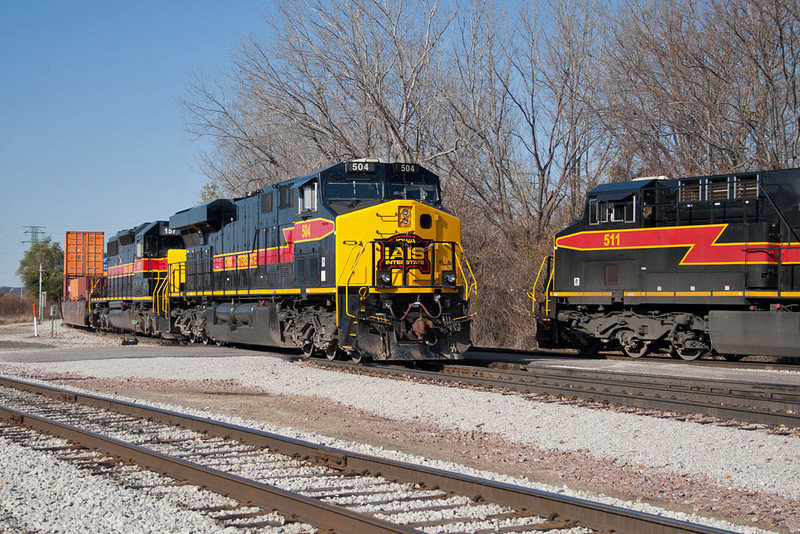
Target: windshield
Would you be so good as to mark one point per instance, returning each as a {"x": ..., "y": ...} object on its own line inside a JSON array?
[
  {"x": 353, "y": 190},
  {"x": 415, "y": 191}
]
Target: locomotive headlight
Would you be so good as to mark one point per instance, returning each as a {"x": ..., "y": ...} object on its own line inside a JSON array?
[
  {"x": 449, "y": 278},
  {"x": 405, "y": 215},
  {"x": 385, "y": 278}
]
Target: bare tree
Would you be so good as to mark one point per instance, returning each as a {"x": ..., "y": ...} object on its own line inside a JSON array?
[
  {"x": 764, "y": 37},
  {"x": 701, "y": 86},
  {"x": 327, "y": 82},
  {"x": 523, "y": 113}
]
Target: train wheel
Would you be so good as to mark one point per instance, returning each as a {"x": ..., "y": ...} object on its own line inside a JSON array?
[
  {"x": 333, "y": 352},
  {"x": 308, "y": 349},
  {"x": 690, "y": 346},
  {"x": 632, "y": 345},
  {"x": 690, "y": 354}
]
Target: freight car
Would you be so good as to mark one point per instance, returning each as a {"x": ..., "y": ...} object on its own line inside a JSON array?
[
  {"x": 358, "y": 259},
  {"x": 692, "y": 267}
]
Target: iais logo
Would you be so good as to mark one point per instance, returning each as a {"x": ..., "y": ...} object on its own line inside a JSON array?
[{"x": 405, "y": 250}]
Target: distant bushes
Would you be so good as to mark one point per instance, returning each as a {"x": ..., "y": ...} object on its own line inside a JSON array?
[{"x": 15, "y": 309}]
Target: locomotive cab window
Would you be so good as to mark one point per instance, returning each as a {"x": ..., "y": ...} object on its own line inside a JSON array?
[
  {"x": 415, "y": 191},
  {"x": 286, "y": 199},
  {"x": 594, "y": 216},
  {"x": 307, "y": 197},
  {"x": 353, "y": 190},
  {"x": 603, "y": 211},
  {"x": 621, "y": 210}
]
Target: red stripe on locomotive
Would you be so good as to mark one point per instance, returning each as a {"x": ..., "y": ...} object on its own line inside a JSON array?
[{"x": 701, "y": 241}]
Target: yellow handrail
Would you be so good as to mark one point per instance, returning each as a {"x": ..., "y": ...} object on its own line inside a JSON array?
[
  {"x": 470, "y": 287},
  {"x": 91, "y": 292},
  {"x": 532, "y": 293},
  {"x": 160, "y": 294},
  {"x": 347, "y": 282}
]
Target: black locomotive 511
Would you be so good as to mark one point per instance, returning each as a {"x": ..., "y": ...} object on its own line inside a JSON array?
[{"x": 688, "y": 266}]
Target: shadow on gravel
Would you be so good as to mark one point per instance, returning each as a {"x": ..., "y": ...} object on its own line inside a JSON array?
[{"x": 24, "y": 345}]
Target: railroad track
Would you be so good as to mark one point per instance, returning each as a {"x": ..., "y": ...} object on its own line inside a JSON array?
[
  {"x": 764, "y": 404},
  {"x": 776, "y": 363},
  {"x": 513, "y": 355},
  {"x": 304, "y": 482}
]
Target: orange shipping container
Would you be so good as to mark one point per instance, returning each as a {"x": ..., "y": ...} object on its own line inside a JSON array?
[
  {"x": 83, "y": 254},
  {"x": 77, "y": 288}
]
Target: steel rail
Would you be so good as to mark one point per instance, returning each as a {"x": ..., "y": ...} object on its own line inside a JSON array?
[
  {"x": 722, "y": 364},
  {"x": 286, "y": 503},
  {"x": 773, "y": 405},
  {"x": 776, "y": 405},
  {"x": 589, "y": 514}
]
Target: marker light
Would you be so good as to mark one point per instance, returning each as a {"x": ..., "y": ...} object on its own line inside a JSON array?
[{"x": 385, "y": 278}]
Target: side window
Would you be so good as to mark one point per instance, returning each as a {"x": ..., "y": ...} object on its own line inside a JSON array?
[
  {"x": 286, "y": 197},
  {"x": 622, "y": 210},
  {"x": 266, "y": 202},
  {"x": 593, "y": 214},
  {"x": 307, "y": 198},
  {"x": 602, "y": 209}
]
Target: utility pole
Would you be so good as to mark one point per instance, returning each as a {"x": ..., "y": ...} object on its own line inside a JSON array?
[{"x": 41, "y": 305}]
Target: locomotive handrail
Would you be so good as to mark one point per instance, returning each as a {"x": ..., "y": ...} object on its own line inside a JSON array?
[
  {"x": 469, "y": 287},
  {"x": 160, "y": 295},
  {"x": 347, "y": 282},
  {"x": 89, "y": 294},
  {"x": 532, "y": 293}
]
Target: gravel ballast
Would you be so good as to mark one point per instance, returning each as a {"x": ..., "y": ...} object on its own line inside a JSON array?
[
  {"x": 755, "y": 464},
  {"x": 41, "y": 494}
]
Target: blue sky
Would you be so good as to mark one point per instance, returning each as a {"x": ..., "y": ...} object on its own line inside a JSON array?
[{"x": 91, "y": 127}]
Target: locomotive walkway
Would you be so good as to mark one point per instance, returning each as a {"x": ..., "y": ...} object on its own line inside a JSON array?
[{"x": 256, "y": 469}]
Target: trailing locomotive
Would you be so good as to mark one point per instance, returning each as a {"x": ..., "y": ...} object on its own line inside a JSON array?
[
  {"x": 690, "y": 266},
  {"x": 358, "y": 259}
]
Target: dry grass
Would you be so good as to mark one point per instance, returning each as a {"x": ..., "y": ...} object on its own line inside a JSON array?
[{"x": 15, "y": 309}]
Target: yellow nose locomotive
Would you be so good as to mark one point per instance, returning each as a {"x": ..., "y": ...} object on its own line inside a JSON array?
[{"x": 356, "y": 260}]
